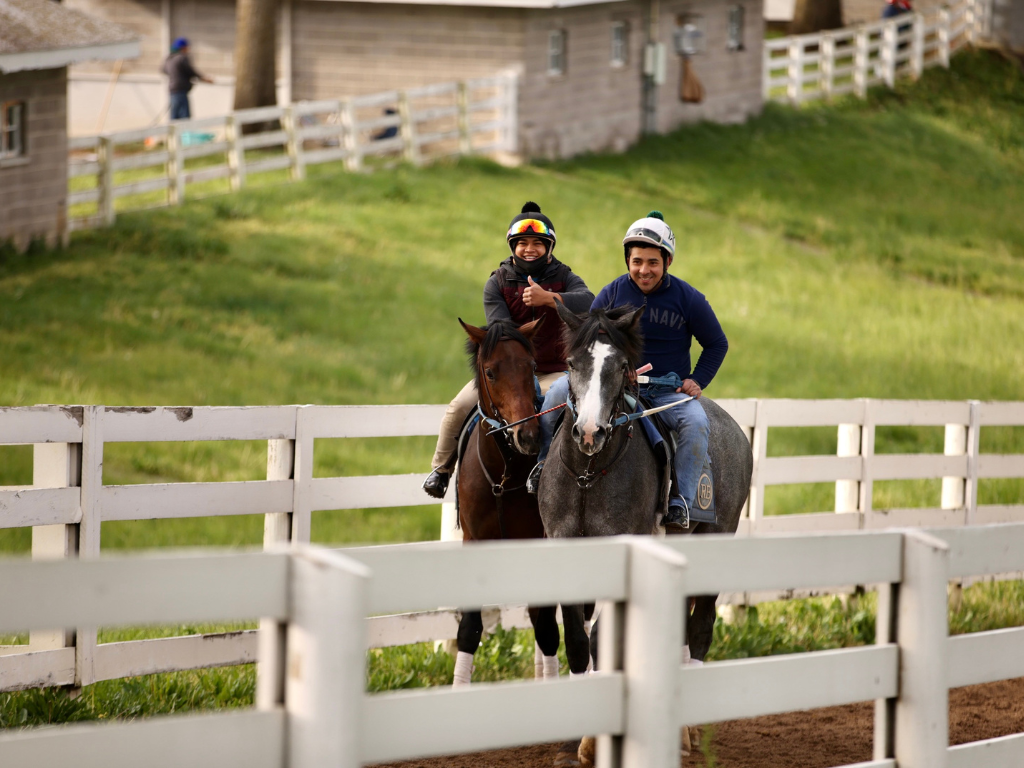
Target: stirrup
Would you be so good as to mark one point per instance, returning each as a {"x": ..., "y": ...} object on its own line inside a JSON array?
[
  {"x": 436, "y": 484},
  {"x": 533, "y": 481},
  {"x": 677, "y": 519}
]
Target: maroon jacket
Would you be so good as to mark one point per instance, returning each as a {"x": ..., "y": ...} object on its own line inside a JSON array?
[{"x": 503, "y": 300}]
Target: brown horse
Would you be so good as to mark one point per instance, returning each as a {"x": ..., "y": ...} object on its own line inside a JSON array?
[{"x": 493, "y": 502}]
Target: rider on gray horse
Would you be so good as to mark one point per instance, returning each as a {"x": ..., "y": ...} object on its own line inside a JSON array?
[
  {"x": 675, "y": 314},
  {"x": 524, "y": 287}
]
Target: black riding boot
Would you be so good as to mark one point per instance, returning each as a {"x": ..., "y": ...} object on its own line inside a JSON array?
[{"x": 436, "y": 484}]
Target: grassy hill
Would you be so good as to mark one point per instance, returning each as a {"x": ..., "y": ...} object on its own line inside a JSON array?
[{"x": 863, "y": 249}]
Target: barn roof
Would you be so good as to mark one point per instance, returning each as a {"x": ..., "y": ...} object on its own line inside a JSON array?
[{"x": 42, "y": 34}]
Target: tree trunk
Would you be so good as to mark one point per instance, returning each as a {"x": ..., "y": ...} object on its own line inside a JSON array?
[
  {"x": 816, "y": 15},
  {"x": 256, "y": 54}
]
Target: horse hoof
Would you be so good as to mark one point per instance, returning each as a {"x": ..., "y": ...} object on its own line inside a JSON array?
[
  {"x": 588, "y": 751},
  {"x": 567, "y": 755}
]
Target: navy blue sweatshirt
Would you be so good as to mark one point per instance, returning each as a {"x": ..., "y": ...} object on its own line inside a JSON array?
[{"x": 675, "y": 314}]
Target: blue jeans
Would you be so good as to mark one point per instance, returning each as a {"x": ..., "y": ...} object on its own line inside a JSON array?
[
  {"x": 688, "y": 422},
  {"x": 179, "y": 106}
]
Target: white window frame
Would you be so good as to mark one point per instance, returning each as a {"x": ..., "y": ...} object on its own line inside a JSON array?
[
  {"x": 556, "y": 52},
  {"x": 12, "y": 131},
  {"x": 734, "y": 34},
  {"x": 620, "y": 44}
]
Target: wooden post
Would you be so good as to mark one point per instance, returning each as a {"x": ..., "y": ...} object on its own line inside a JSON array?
[
  {"x": 867, "y": 452},
  {"x": 303, "y": 477},
  {"x": 795, "y": 87},
  {"x": 917, "y": 47},
  {"x": 54, "y": 465},
  {"x": 827, "y": 63},
  {"x": 175, "y": 165},
  {"x": 236, "y": 155},
  {"x": 652, "y": 639},
  {"x": 885, "y": 709},
  {"x": 465, "y": 143},
  {"x": 921, "y": 730},
  {"x": 105, "y": 180},
  {"x": 860, "y": 64},
  {"x": 89, "y": 528},
  {"x": 759, "y": 447},
  {"x": 944, "y": 37},
  {"x": 610, "y": 659},
  {"x": 848, "y": 491},
  {"x": 889, "y": 35},
  {"x": 354, "y": 161},
  {"x": 326, "y": 660},
  {"x": 973, "y": 449},
  {"x": 410, "y": 149},
  {"x": 277, "y": 526},
  {"x": 291, "y": 126}
]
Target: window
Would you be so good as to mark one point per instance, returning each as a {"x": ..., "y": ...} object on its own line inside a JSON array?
[
  {"x": 735, "y": 42},
  {"x": 556, "y": 52},
  {"x": 12, "y": 129},
  {"x": 620, "y": 43}
]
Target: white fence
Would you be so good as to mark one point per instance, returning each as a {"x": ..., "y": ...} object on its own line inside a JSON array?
[
  {"x": 827, "y": 64},
  {"x": 312, "y": 709},
  {"x": 68, "y": 500},
  {"x": 462, "y": 118}
]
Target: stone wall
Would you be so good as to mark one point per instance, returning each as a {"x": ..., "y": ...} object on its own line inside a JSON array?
[{"x": 33, "y": 188}]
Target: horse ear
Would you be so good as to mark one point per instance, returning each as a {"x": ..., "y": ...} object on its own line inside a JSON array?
[
  {"x": 475, "y": 334},
  {"x": 631, "y": 320},
  {"x": 530, "y": 329},
  {"x": 569, "y": 317}
]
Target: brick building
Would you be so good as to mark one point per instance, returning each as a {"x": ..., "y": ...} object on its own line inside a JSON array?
[
  {"x": 581, "y": 63},
  {"x": 38, "y": 40}
]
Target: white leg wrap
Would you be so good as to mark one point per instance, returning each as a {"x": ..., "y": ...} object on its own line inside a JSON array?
[
  {"x": 538, "y": 662},
  {"x": 694, "y": 663},
  {"x": 579, "y": 676},
  {"x": 686, "y": 654},
  {"x": 586, "y": 627},
  {"x": 463, "y": 669},
  {"x": 550, "y": 667}
]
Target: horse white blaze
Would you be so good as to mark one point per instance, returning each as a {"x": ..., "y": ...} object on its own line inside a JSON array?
[{"x": 589, "y": 409}]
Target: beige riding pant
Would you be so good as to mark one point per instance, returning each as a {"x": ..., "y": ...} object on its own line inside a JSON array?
[{"x": 458, "y": 410}]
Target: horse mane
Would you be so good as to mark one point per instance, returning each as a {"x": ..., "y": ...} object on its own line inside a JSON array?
[
  {"x": 496, "y": 331},
  {"x": 630, "y": 341}
]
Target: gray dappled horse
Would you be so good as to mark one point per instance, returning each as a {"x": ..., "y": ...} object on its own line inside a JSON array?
[{"x": 598, "y": 481}]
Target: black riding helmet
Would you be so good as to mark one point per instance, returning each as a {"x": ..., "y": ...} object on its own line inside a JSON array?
[{"x": 531, "y": 223}]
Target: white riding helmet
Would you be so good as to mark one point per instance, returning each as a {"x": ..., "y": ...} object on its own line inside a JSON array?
[{"x": 651, "y": 230}]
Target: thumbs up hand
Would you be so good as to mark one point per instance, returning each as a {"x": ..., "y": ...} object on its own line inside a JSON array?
[{"x": 535, "y": 296}]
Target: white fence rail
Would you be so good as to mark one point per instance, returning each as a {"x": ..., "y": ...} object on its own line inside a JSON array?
[
  {"x": 419, "y": 124},
  {"x": 826, "y": 64},
  {"x": 68, "y": 501},
  {"x": 312, "y": 600}
]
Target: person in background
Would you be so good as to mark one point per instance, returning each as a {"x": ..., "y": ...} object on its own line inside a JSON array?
[
  {"x": 896, "y": 8},
  {"x": 180, "y": 74},
  {"x": 524, "y": 287}
]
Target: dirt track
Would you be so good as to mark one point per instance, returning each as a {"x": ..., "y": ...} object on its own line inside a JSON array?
[{"x": 820, "y": 738}]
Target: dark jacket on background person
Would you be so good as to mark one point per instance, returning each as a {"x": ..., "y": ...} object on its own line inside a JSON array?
[
  {"x": 180, "y": 72},
  {"x": 503, "y": 300}
]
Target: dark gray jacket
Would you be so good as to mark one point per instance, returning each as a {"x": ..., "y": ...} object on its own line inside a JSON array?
[{"x": 180, "y": 73}]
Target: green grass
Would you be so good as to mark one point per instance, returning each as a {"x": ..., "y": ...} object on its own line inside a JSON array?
[{"x": 861, "y": 249}]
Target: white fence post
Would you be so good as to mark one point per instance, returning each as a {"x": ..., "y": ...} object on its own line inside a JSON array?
[
  {"x": 827, "y": 63},
  {"x": 867, "y": 452},
  {"x": 848, "y": 491},
  {"x": 973, "y": 450},
  {"x": 291, "y": 126},
  {"x": 861, "y": 64},
  {"x": 885, "y": 709},
  {"x": 89, "y": 528},
  {"x": 175, "y": 165},
  {"x": 888, "y": 52},
  {"x": 105, "y": 180},
  {"x": 410, "y": 149},
  {"x": 795, "y": 87},
  {"x": 943, "y": 33},
  {"x": 917, "y": 47},
  {"x": 921, "y": 731},
  {"x": 236, "y": 154},
  {"x": 326, "y": 660},
  {"x": 953, "y": 487},
  {"x": 652, "y": 641},
  {"x": 302, "y": 516},
  {"x": 759, "y": 447},
  {"x": 54, "y": 465},
  {"x": 354, "y": 160}
]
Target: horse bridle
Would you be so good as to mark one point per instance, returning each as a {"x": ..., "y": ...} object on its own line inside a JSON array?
[{"x": 591, "y": 475}]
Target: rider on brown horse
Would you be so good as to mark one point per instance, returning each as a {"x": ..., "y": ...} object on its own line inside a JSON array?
[{"x": 525, "y": 287}]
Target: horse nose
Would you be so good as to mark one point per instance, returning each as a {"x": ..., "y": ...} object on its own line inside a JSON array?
[
  {"x": 589, "y": 441},
  {"x": 527, "y": 439}
]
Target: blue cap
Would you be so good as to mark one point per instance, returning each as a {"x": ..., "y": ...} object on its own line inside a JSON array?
[{"x": 181, "y": 42}]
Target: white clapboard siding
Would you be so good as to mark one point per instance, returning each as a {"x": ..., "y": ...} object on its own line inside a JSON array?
[
  {"x": 424, "y": 577},
  {"x": 171, "y": 500},
  {"x": 40, "y": 424},
  {"x": 230, "y": 740},
  {"x": 984, "y": 657},
  {"x": 467, "y": 719},
  {"x": 374, "y": 420},
  {"x": 1004, "y": 752},
  {"x": 37, "y": 669},
  {"x": 722, "y": 563},
  {"x": 203, "y": 423},
  {"x": 170, "y": 654},
  {"x": 730, "y": 690},
  {"x": 39, "y": 506},
  {"x": 143, "y": 590}
]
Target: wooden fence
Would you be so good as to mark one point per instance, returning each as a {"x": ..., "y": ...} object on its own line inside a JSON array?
[
  {"x": 312, "y": 710},
  {"x": 804, "y": 67},
  {"x": 68, "y": 500},
  {"x": 419, "y": 124}
]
